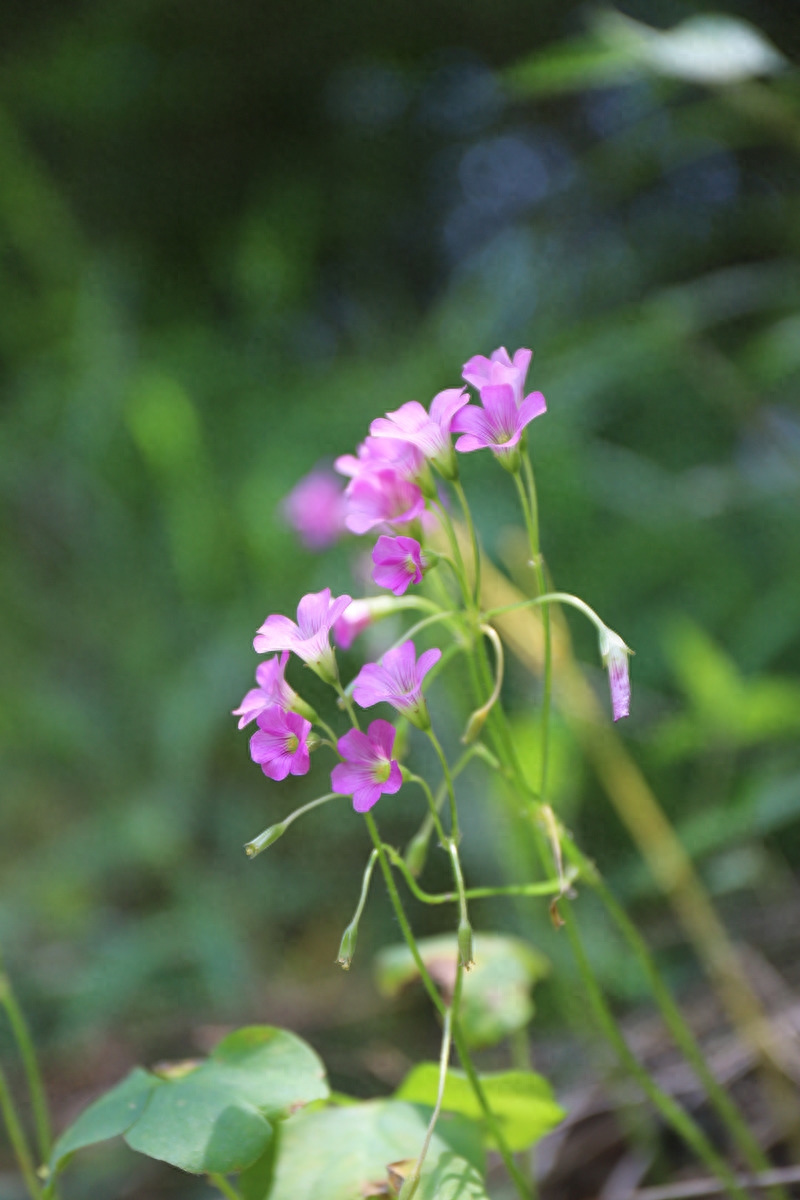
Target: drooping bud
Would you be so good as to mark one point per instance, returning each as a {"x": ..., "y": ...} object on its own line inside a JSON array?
[
  {"x": 474, "y": 726},
  {"x": 347, "y": 946},
  {"x": 465, "y": 953},
  {"x": 615, "y": 654},
  {"x": 265, "y": 839},
  {"x": 417, "y": 852}
]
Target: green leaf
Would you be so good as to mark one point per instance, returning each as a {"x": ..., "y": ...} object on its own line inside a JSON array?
[
  {"x": 214, "y": 1116},
  {"x": 333, "y": 1153},
  {"x": 201, "y": 1125},
  {"x": 495, "y": 999},
  {"x": 274, "y": 1069},
  {"x": 522, "y": 1101},
  {"x": 110, "y": 1116}
]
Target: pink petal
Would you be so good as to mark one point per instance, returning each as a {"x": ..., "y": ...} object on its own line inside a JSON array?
[
  {"x": 532, "y": 406},
  {"x": 312, "y": 612},
  {"x": 395, "y": 780},
  {"x": 365, "y": 798},
  {"x": 277, "y": 633},
  {"x": 382, "y": 734},
  {"x": 426, "y": 661},
  {"x": 446, "y": 404}
]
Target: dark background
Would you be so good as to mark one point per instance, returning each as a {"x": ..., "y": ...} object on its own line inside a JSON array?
[{"x": 231, "y": 235}]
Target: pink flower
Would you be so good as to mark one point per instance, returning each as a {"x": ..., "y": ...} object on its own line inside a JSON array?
[
  {"x": 399, "y": 561},
  {"x": 280, "y": 746},
  {"x": 353, "y": 621},
  {"x": 376, "y": 454},
  {"x": 429, "y": 432},
  {"x": 500, "y": 368},
  {"x": 382, "y": 498},
  {"x": 315, "y": 509},
  {"x": 397, "y": 679},
  {"x": 369, "y": 770},
  {"x": 317, "y": 613},
  {"x": 272, "y": 689},
  {"x": 499, "y": 424},
  {"x": 615, "y": 654}
]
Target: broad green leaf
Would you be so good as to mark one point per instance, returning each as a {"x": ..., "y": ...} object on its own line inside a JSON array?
[
  {"x": 495, "y": 999},
  {"x": 212, "y": 1116},
  {"x": 334, "y": 1153},
  {"x": 110, "y": 1116},
  {"x": 200, "y": 1124},
  {"x": 522, "y": 1101},
  {"x": 274, "y": 1069}
]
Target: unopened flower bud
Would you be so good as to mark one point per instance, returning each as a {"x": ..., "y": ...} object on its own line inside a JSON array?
[
  {"x": 265, "y": 839},
  {"x": 474, "y": 726},
  {"x": 465, "y": 944},
  {"x": 347, "y": 947},
  {"x": 417, "y": 852},
  {"x": 615, "y": 654}
]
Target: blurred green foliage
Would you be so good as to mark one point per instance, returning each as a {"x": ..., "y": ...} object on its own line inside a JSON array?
[{"x": 229, "y": 237}]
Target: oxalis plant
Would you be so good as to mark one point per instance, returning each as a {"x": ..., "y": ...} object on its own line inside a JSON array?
[{"x": 257, "y": 1117}]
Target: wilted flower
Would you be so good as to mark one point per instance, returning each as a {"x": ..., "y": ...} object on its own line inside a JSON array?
[
  {"x": 429, "y": 432},
  {"x": 500, "y": 368},
  {"x": 272, "y": 689},
  {"x": 369, "y": 769},
  {"x": 317, "y": 613},
  {"x": 280, "y": 746},
  {"x": 399, "y": 561},
  {"x": 315, "y": 509},
  {"x": 615, "y": 654},
  {"x": 397, "y": 679},
  {"x": 499, "y": 424},
  {"x": 382, "y": 498}
]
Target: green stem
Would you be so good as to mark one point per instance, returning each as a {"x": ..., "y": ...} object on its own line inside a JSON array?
[
  {"x": 550, "y": 887},
  {"x": 433, "y": 811},
  {"x": 277, "y": 830},
  {"x": 473, "y": 537},
  {"x": 684, "y": 1038},
  {"x": 531, "y": 513},
  {"x": 452, "y": 537},
  {"x": 18, "y": 1140},
  {"x": 222, "y": 1185},
  {"x": 441, "y": 1008},
  {"x": 454, "y": 832},
  {"x": 22, "y": 1036},
  {"x": 348, "y": 705},
  {"x": 680, "y": 1120},
  {"x": 412, "y": 1182},
  {"x": 550, "y": 598}
]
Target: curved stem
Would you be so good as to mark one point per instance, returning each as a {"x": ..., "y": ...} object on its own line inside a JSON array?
[
  {"x": 673, "y": 1018},
  {"x": 18, "y": 1140},
  {"x": 452, "y": 537},
  {"x": 433, "y": 810},
  {"x": 685, "y": 1125},
  {"x": 222, "y": 1185},
  {"x": 22, "y": 1036},
  {"x": 550, "y": 598},
  {"x": 348, "y": 705},
  {"x": 530, "y": 512},
  {"x": 441, "y": 1008},
  {"x": 412, "y": 1182},
  {"x": 277, "y": 830},
  {"x": 473, "y": 537},
  {"x": 550, "y": 887},
  {"x": 454, "y": 833}
]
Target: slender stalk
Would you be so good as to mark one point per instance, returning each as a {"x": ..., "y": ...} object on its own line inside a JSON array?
[
  {"x": 680, "y": 1120},
  {"x": 454, "y": 832},
  {"x": 549, "y": 887},
  {"x": 433, "y": 811},
  {"x": 748, "y": 1146},
  {"x": 348, "y": 705},
  {"x": 550, "y": 598},
  {"x": 441, "y": 1008},
  {"x": 473, "y": 537},
  {"x": 277, "y": 830},
  {"x": 222, "y": 1185},
  {"x": 347, "y": 946},
  {"x": 417, "y": 848},
  {"x": 19, "y": 1142},
  {"x": 452, "y": 537},
  {"x": 530, "y": 511},
  {"x": 412, "y": 1182},
  {"x": 22, "y": 1036}
]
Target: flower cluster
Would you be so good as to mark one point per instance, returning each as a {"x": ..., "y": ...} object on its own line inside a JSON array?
[{"x": 390, "y": 493}]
